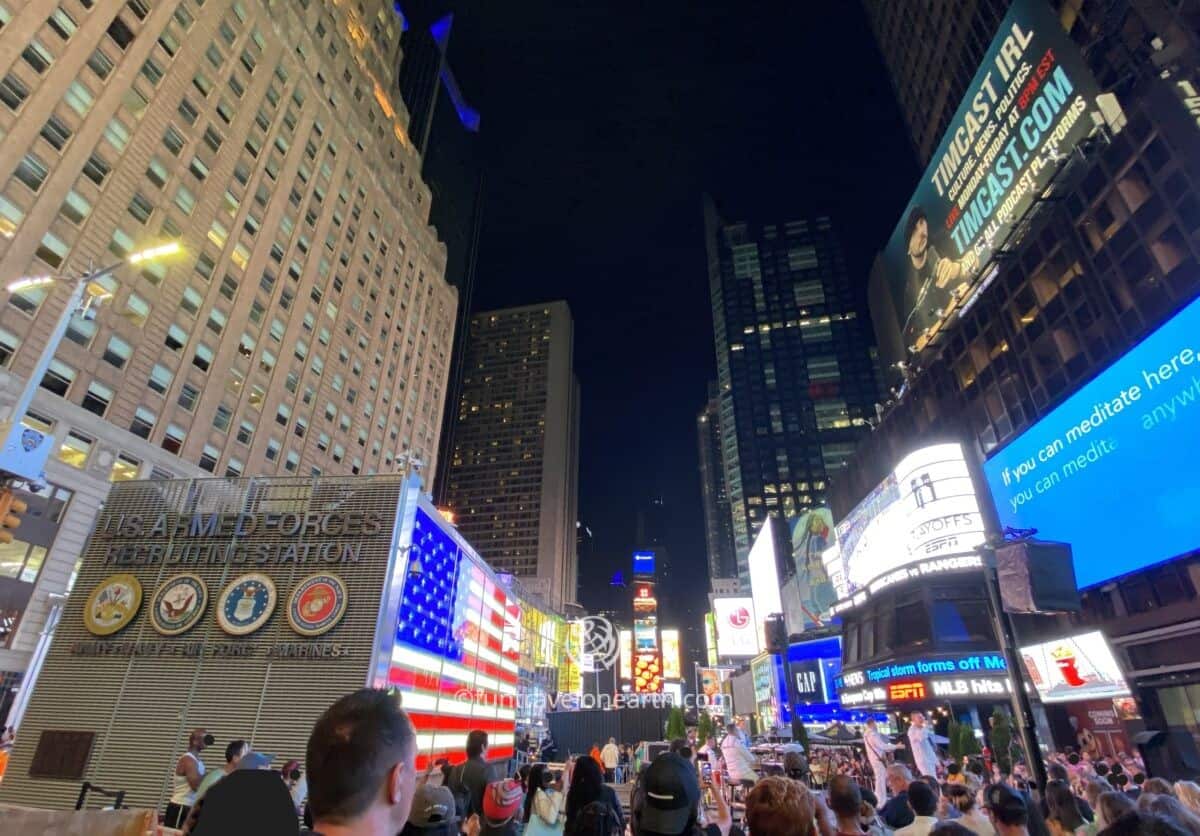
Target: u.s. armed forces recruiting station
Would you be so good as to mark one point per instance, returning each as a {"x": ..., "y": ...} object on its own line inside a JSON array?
[
  {"x": 138, "y": 540},
  {"x": 1024, "y": 113}
]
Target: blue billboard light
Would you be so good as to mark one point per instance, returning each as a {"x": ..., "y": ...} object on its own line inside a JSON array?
[
  {"x": 643, "y": 563},
  {"x": 1112, "y": 471}
]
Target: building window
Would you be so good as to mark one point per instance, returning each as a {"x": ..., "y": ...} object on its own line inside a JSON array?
[
  {"x": 32, "y": 171},
  {"x": 125, "y": 468},
  {"x": 20, "y": 561},
  {"x": 98, "y": 398},
  {"x": 173, "y": 438},
  {"x": 75, "y": 449},
  {"x": 9, "y": 343},
  {"x": 203, "y": 357},
  {"x": 222, "y": 418},
  {"x": 189, "y": 395},
  {"x": 208, "y": 458},
  {"x": 118, "y": 352},
  {"x": 137, "y": 310},
  {"x": 245, "y": 432},
  {"x": 143, "y": 422},
  {"x": 292, "y": 462},
  {"x": 58, "y": 378},
  {"x": 160, "y": 379},
  {"x": 234, "y": 468},
  {"x": 272, "y": 451}
]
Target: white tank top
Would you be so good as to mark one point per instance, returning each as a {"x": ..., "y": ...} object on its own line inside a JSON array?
[{"x": 182, "y": 792}]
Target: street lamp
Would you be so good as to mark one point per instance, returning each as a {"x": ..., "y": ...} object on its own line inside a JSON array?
[{"x": 24, "y": 451}]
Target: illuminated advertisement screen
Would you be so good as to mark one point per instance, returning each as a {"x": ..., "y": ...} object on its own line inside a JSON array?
[
  {"x": 764, "y": 579},
  {"x": 647, "y": 674},
  {"x": 458, "y": 632},
  {"x": 670, "y": 654},
  {"x": 812, "y": 590},
  {"x": 645, "y": 635},
  {"x": 1022, "y": 115},
  {"x": 1074, "y": 668},
  {"x": 710, "y": 639},
  {"x": 923, "y": 519},
  {"x": 762, "y": 671},
  {"x": 1112, "y": 471},
  {"x": 625, "y": 658},
  {"x": 643, "y": 563},
  {"x": 737, "y": 632}
]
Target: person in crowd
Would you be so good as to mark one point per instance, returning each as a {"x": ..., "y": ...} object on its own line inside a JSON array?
[
  {"x": 522, "y": 775},
  {"x": 610, "y": 757},
  {"x": 896, "y": 813},
  {"x": 1008, "y": 811},
  {"x": 361, "y": 762},
  {"x": 189, "y": 772},
  {"x": 923, "y": 802},
  {"x": 1058, "y": 772},
  {"x": 795, "y": 766},
  {"x": 624, "y": 758},
  {"x": 959, "y": 798},
  {"x": 878, "y": 749},
  {"x": 247, "y": 802},
  {"x": 920, "y": 739},
  {"x": 1111, "y": 806},
  {"x": 1170, "y": 807},
  {"x": 778, "y": 806},
  {"x": 1188, "y": 792},
  {"x": 1137, "y": 823},
  {"x": 296, "y": 782},
  {"x": 432, "y": 812},
  {"x": 594, "y": 754},
  {"x": 1158, "y": 786},
  {"x": 668, "y": 803},
  {"x": 544, "y": 813},
  {"x": 845, "y": 800},
  {"x": 586, "y": 785},
  {"x": 1093, "y": 788},
  {"x": 869, "y": 817},
  {"x": 549, "y": 750},
  {"x": 502, "y": 804},
  {"x": 1062, "y": 811},
  {"x": 951, "y": 828},
  {"x": 710, "y": 750},
  {"x": 469, "y": 779},
  {"x": 739, "y": 763},
  {"x": 234, "y": 751},
  {"x": 1134, "y": 786}
]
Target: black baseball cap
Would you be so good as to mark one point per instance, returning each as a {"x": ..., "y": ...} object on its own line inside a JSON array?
[
  {"x": 672, "y": 793},
  {"x": 1007, "y": 806}
]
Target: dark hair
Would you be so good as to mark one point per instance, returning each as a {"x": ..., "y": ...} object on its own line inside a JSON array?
[
  {"x": 961, "y": 797},
  {"x": 1157, "y": 786},
  {"x": 1061, "y": 805},
  {"x": 794, "y": 766},
  {"x": 1134, "y": 823},
  {"x": 845, "y": 797},
  {"x": 1056, "y": 772},
  {"x": 232, "y": 749},
  {"x": 921, "y": 798},
  {"x": 915, "y": 216},
  {"x": 953, "y": 828},
  {"x": 1170, "y": 807},
  {"x": 539, "y": 779},
  {"x": 587, "y": 785},
  {"x": 477, "y": 741},
  {"x": 352, "y": 748},
  {"x": 678, "y": 744},
  {"x": 1113, "y": 804}
]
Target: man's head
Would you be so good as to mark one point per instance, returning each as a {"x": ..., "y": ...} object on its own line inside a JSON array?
[
  {"x": 433, "y": 810},
  {"x": 871, "y": 723},
  {"x": 1007, "y": 809},
  {"x": 477, "y": 743},
  {"x": 918, "y": 719},
  {"x": 916, "y": 235},
  {"x": 845, "y": 797},
  {"x": 360, "y": 761},
  {"x": 922, "y": 798},
  {"x": 778, "y": 806},
  {"x": 612, "y": 740},
  {"x": 198, "y": 740},
  {"x": 1057, "y": 772},
  {"x": 672, "y": 791},
  {"x": 235, "y": 750},
  {"x": 898, "y": 778},
  {"x": 732, "y": 728}
]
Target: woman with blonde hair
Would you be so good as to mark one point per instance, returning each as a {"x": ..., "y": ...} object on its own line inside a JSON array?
[{"x": 1188, "y": 793}]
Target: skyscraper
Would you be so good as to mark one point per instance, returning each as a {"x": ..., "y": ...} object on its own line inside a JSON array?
[
  {"x": 795, "y": 371},
  {"x": 932, "y": 51},
  {"x": 306, "y": 328},
  {"x": 718, "y": 524},
  {"x": 514, "y": 471}
]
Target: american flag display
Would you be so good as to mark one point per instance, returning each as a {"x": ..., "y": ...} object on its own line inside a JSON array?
[{"x": 457, "y": 648}]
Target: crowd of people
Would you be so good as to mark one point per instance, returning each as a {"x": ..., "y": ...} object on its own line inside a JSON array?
[{"x": 361, "y": 780}]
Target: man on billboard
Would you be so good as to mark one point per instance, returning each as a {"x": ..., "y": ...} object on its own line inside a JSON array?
[{"x": 933, "y": 282}]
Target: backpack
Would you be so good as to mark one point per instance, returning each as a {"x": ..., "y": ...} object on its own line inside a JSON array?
[
  {"x": 597, "y": 818},
  {"x": 462, "y": 795}
]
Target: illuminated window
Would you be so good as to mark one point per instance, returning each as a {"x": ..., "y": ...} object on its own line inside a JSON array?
[
  {"x": 125, "y": 468},
  {"x": 75, "y": 449}
]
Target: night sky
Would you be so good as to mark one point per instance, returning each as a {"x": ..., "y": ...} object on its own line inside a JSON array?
[{"x": 603, "y": 124}]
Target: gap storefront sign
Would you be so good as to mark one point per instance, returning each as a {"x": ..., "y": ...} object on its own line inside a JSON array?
[{"x": 911, "y": 682}]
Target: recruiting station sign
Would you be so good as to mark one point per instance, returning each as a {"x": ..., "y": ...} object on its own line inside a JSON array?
[{"x": 1025, "y": 110}]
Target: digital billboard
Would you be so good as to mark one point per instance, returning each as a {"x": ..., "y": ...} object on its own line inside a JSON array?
[
  {"x": 737, "y": 632},
  {"x": 671, "y": 666},
  {"x": 625, "y": 655},
  {"x": 1112, "y": 471},
  {"x": 812, "y": 535},
  {"x": 764, "y": 578},
  {"x": 1074, "y": 668},
  {"x": 645, "y": 634},
  {"x": 1024, "y": 112},
  {"x": 647, "y": 674},
  {"x": 643, "y": 563},
  {"x": 921, "y": 520},
  {"x": 710, "y": 639}
]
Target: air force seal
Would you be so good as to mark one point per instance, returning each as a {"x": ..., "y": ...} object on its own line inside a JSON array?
[
  {"x": 112, "y": 605},
  {"x": 246, "y": 604},
  {"x": 178, "y": 604},
  {"x": 317, "y": 605}
]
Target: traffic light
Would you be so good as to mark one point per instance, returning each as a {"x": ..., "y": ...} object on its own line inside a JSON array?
[{"x": 10, "y": 510}]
